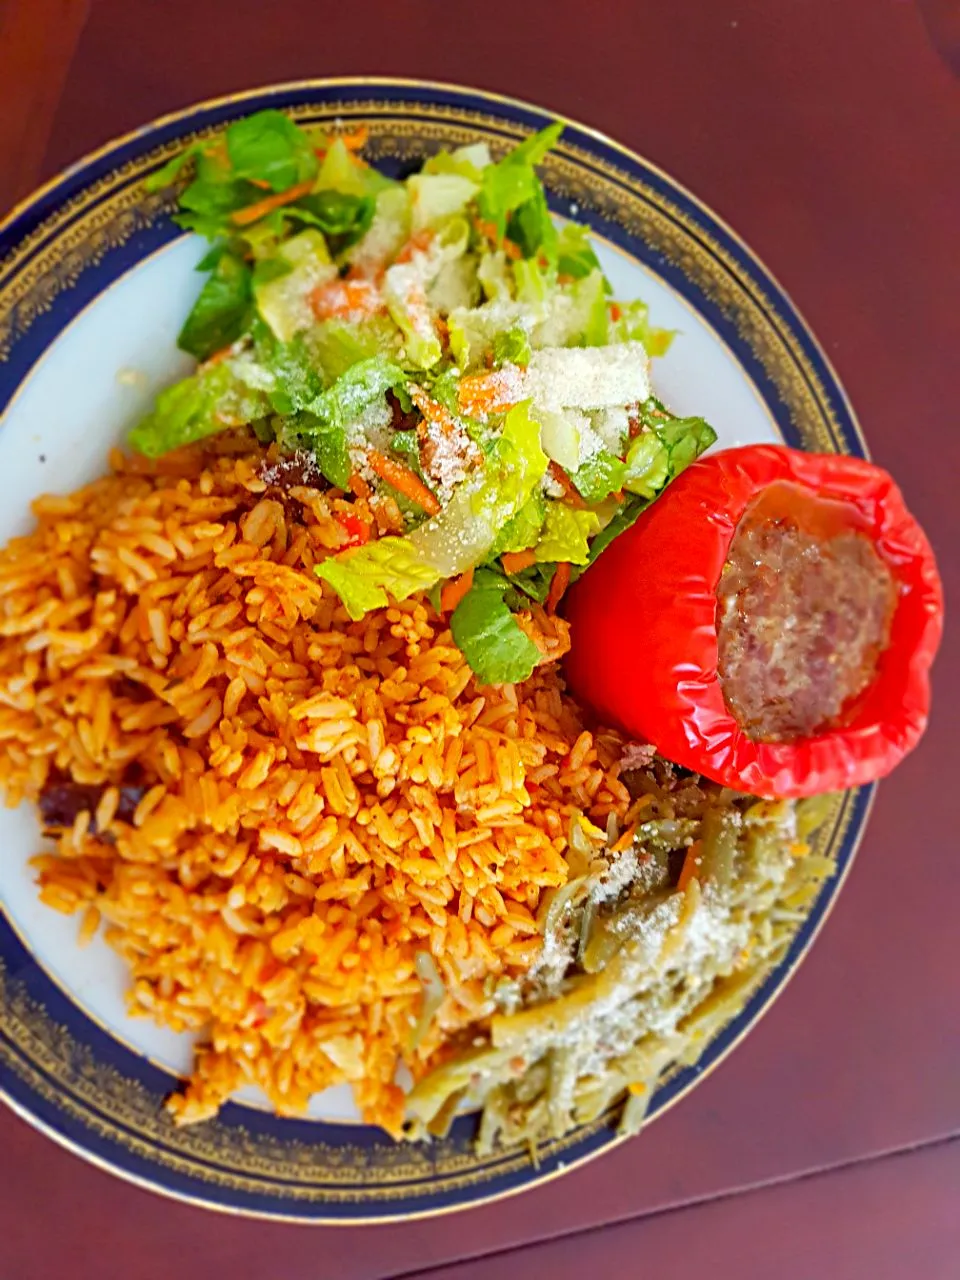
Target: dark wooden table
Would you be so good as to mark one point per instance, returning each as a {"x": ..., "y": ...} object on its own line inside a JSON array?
[{"x": 828, "y": 133}]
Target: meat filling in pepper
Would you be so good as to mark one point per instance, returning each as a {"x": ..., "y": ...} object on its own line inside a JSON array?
[{"x": 802, "y": 621}]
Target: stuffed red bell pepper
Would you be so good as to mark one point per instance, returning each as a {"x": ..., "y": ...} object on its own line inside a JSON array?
[{"x": 769, "y": 622}]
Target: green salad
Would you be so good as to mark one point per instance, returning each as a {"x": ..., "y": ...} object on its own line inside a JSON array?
[{"x": 440, "y": 341}]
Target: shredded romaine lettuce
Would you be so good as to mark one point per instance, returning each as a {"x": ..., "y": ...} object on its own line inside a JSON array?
[
  {"x": 599, "y": 475},
  {"x": 468, "y": 162},
  {"x": 455, "y": 540},
  {"x": 576, "y": 257},
  {"x": 523, "y": 529},
  {"x": 561, "y": 433},
  {"x": 336, "y": 345},
  {"x": 631, "y": 323},
  {"x": 322, "y": 424},
  {"x": 682, "y": 441},
  {"x": 566, "y": 534},
  {"x": 405, "y": 288},
  {"x": 458, "y": 270},
  {"x": 284, "y": 301},
  {"x": 489, "y": 636},
  {"x": 494, "y": 276},
  {"x": 388, "y": 232},
  {"x": 512, "y": 347},
  {"x": 511, "y": 183},
  {"x": 435, "y": 197},
  {"x": 214, "y": 399},
  {"x": 268, "y": 147},
  {"x": 222, "y": 311}
]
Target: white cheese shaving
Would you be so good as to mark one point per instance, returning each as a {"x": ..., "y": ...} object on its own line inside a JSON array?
[{"x": 588, "y": 377}]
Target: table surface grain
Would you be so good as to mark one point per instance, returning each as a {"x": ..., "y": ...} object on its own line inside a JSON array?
[{"x": 827, "y": 132}]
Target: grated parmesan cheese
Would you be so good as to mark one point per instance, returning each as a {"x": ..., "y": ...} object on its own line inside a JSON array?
[{"x": 588, "y": 377}]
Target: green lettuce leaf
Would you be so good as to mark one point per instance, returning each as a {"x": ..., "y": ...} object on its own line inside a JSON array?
[
  {"x": 388, "y": 232},
  {"x": 224, "y": 308},
  {"x": 284, "y": 299},
  {"x": 512, "y": 347},
  {"x": 679, "y": 441},
  {"x": 633, "y": 325},
  {"x": 647, "y": 465},
  {"x": 325, "y": 438},
  {"x": 575, "y": 254},
  {"x": 489, "y": 636},
  {"x": 363, "y": 578},
  {"x": 530, "y": 584},
  {"x": 473, "y": 331},
  {"x": 322, "y": 424},
  {"x": 459, "y": 537},
  {"x": 599, "y": 475},
  {"x": 535, "y": 284},
  {"x": 292, "y": 382},
  {"x": 523, "y": 529},
  {"x": 684, "y": 440},
  {"x": 336, "y": 345},
  {"x": 566, "y": 533},
  {"x": 268, "y": 147},
  {"x": 170, "y": 171},
  {"x": 577, "y": 315},
  {"x": 437, "y": 196},
  {"x": 494, "y": 276},
  {"x": 405, "y": 286},
  {"x": 212, "y": 400},
  {"x": 343, "y": 218},
  {"x": 513, "y": 182},
  {"x": 213, "y": 195},
  {"x": 468, "y": 162},
  {"x": 532, "y": 228},
  {"x": 358, "y": 388},
  {"x": 341, "y": 172}
]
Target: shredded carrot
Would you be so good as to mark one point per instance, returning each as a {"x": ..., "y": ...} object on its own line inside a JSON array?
[
  {"x": 486, "y": 229},
  {"x": 570, "y": 493},
  {"x": 489, "y": 232},
  {"x": 353, "y": 141},
  {"x": 217, "y": 358},
  {"x": 561, "y": 580},
  {"x": 454, "y": 591},
  {"x": 416, "y": 244},
  {"x": 357, "y": 299},
  {"x": 615, "y": 312},
  {"x": 691, "y": 865},
  {"x": 254, "y": 212},
  {"x": 359, "y": 486},
  {"x": 515, "y": 561},
  {"x": 626, "y": 840},
  {"x": 489, "y": 392},
  {"x": 403, "y": 480},
  {"x": 432, "y": 410}
]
